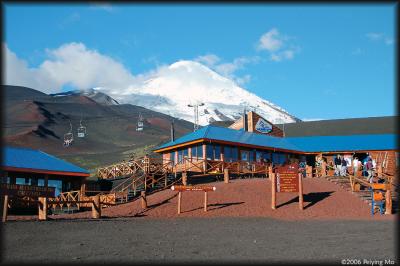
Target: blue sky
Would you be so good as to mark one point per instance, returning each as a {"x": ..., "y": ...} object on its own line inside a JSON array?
[{"x": 316, "y": 61}]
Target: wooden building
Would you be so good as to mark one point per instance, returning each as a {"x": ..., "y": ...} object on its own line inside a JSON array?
[
  {"x": 23, "y": 166},
  {"x": 257, "y": 142}
]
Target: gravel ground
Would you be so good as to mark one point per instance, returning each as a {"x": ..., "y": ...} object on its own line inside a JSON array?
[
  {"x": 240, "y": 226},
  {"x": 194, "y": 240}
]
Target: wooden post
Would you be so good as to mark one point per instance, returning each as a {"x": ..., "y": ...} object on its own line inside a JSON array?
[
  {"x": 5, "y": 209},
  {"x": 83, "y": 189},
  {"x": 166, "y": 180},
  {"x": 204, "y": 147},
  {"x": 226, "y": 176},
  {"x": 179, "y": 201},
  {"x": 205, "y": 201},
  {"x": 323, "y": 168},
  {"x": 184, "y": 179},
  {"x": 300, "y": 192},
  {"x": 379, "y": 170},
  {"x": 143, "y": 199},
  {"x": 273, "y": 189},
  {"x": 270, "y": 171},
  {"x": 96, "y": 208},
  {"x": 42, "y": 208},
  {"x": 388, "y": 200}
]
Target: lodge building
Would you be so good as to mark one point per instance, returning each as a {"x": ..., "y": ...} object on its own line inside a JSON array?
[
  {"x": 23, "y": 166},
  {"x": 252, "y": 142}
]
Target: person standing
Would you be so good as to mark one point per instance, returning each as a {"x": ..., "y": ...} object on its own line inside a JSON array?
[
  {"x": 338, "y": 164},
  {"x": 356, "y": 164},
  {"x": 343, "y": 167},
  {"x": 369, "y": 168}
]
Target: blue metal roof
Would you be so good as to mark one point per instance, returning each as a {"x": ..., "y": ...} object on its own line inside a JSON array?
[
  {"x": 302, "y": 144},
  {"x": 38, "y": 160},
  {"x": 345, "y": 143}
]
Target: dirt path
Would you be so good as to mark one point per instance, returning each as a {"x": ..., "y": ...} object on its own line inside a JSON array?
[{"x": 191, "y": 240}]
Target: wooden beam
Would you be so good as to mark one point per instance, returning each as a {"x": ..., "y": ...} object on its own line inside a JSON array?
[{"x": 40, "y": 171}]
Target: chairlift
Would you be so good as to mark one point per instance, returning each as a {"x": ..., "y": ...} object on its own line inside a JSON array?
[
  {"x": 68, "y": 137},
  {"x": 139, "y": 126},
  {"x": 81, "y": 130}
]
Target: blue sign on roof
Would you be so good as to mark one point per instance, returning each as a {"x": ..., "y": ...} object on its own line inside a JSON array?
[
  {"x": 38, "y": 160},
  {"x": 299, "y": 144}
]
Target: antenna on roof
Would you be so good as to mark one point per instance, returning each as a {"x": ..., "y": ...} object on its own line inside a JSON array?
[{"x": 196, "y": 115}]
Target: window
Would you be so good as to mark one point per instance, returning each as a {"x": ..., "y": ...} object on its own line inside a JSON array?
[
  {"x": 228, "y": 154},
  {"x": 172, "y": 156},
  {"x": 234, "y": 154},
  {"x": 217, "y": 152},
  {"x": 57, "y": 184},
  {"x": 275, "y": 158},
  {"x": 244, "y": 155},
  {"x": 41, "y": 182},
  {"x": 259, "y": 156},
  {"x": 200, "y": 151},
  {"x": 251, "y": 155},
  {"x": 22, "y": 181},
  {"x": 186, "y": 152},
  {"x": 194, "y": 152},
  {"x": 209, "y": 152},
  {"x": 180, "y": 155},
  {"x": 213, "y": 152},
  {"x": 267, "y": 156}
]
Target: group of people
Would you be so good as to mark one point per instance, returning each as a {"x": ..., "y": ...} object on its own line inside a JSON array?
[{"x": 368, "y": 166}]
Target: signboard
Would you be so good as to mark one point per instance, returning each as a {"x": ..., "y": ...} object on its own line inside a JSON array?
[
  {"x": 287, "y": 178},
  {"x": 263, "y": 126},
  {"x": 193, "y": 188},
  {"x": 25, "y": 190}
]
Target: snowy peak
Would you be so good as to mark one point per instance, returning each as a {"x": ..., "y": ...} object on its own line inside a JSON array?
[{"x": 171, "y": 89}]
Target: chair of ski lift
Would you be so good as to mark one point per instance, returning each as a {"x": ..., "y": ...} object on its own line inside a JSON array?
[
  {"x": 81, "y": 131},
  {"x": 68, "y": 138},
  {"x": 139, "y": 126}
]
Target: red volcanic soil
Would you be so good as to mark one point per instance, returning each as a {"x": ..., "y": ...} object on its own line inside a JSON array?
[
  {"x": 159, "y": 122},
  {"x": 323, "y": 200}
]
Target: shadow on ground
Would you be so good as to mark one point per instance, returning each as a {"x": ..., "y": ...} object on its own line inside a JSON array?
[
  {"x": 312, "y": 198},
  {"x": 217, "y": 206}
]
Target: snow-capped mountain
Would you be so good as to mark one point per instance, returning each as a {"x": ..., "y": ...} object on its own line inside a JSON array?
[
  {"x": 171, "y": 89},
  {"x": 93, "y": 93}
]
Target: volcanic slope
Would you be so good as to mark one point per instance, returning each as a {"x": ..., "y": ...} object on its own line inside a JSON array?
[{"x": 39, "y": 121}]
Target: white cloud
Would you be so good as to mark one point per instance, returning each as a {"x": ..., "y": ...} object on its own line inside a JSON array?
[
  {"x": 208, "y": 59},
  {"x": 271, "y": 41},
  {"x": 379, "y": 36},
  {"x": 228, "y": 69},
  {"x": 71, "y": 63},
  {"x": 374, "y": 36},
  {"x": 102, "y": 6},
  {"x": 277, "y": 45}
]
